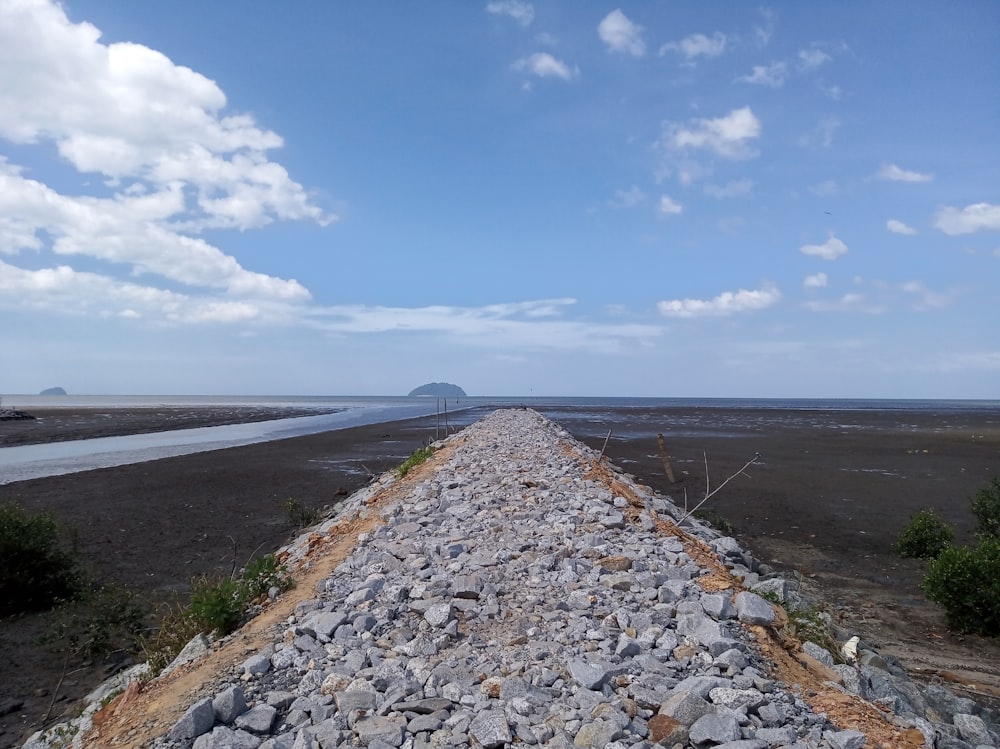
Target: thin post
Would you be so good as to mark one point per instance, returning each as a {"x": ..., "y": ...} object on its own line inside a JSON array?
[
  {"x": 445, "y": 417},
  {"x": 437, "y": 419},
  {"x": 666, "y": 461},
  {"x": 605, "y": 447}
]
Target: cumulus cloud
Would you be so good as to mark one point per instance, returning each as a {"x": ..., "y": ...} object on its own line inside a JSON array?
[
  {"x": 621, "y": 35},
  {"x": 898, "y": 227},
  {"x": 969, "y": 220},
  {"x": 831, "y": 249},
  {"x": 773, "y": 75},
  {"x": 697, "y": 45},
  {"x": 726, "y": 303},
  {"x": 174, "y": 163},
  {"x": 894, "y": 173},
  {"x": 815, "y": 281},
  {"x": 544, "y": 65},
  {"x": 523, "y": 13},
  {"x": 669, "y": 207},
  {"x": 729, "y": 136}
]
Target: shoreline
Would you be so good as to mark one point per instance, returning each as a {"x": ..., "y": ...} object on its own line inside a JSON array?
[{"x": 154, "y": 525}]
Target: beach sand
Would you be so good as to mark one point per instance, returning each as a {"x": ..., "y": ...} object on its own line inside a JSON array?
[{"x": 824, "y": 502}]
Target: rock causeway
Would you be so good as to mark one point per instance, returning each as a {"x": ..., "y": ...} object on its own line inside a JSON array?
[{"x": 517, "y": 589}]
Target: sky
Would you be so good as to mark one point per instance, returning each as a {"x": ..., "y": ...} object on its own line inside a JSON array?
[{"x": 665, "y": 198}]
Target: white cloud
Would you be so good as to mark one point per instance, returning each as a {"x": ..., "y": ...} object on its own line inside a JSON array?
[
  {"x": 822, "y": 134},
  {"x": 976, "y": 217},
  {"x": 621, "y": 35},
  {"x": 731, "y": 189},
  {"x": 727, "y": 303},
  {"x": 68, "y": 291},
  {"x": 894, "y": 173},
  {"x": 128, "y": 112},
  {"x": 850, "y": 302},
  {"x": 669, "y": 207},
  {"x": 815, "y": 281},
  {"x": 629, "y": 198},
  {"x": 544, "y": 65},
  {"x": 523, "y": 13},
  {"x": 524, "y": 325},
  {"x": 831, "y": 249},
  {"x": 173, "y": 162},
  {"x": 812, "y": 58},
  {"x": 698, "y": 45},
  {"x": 773, "y": 75},
  {"x": 727, "y": 136},
  {"x": 898, "y": 227}
]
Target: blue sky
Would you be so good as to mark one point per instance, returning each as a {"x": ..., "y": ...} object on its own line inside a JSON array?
[{"x": 548, "y": 198}]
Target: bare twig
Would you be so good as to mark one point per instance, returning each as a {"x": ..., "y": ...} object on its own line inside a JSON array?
[
  {"x": 709, "y": 495},
  {"x": 55, "y": 692},
  {"x": 605, "y": 447}
]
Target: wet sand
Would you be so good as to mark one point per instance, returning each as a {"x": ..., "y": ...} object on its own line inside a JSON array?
[{"x": 825, "y": 502}]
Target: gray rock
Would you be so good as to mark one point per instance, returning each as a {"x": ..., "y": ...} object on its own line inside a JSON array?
[
  {"x": 819, "y": 653},
  {"x": 228, "y": 704},
  {"x": 259, "y": 719},
  {"x": 685, "y": 707},
  {"x": 222, "y": 737},
  {"x": 490, "y": 729},
  {"x": 845, "y": 739},
  {"x": 388, "y": 730},
  {"x": 597, "y": 735},
  {"x": 588, "y": 675},
  {"x": 438, "y": 615},
  {"x": 714, "y": 728},
  {"x": 752, "y": 609},
  {"x": 198, "y": 719},
  {"x": 972, "y": 729}
]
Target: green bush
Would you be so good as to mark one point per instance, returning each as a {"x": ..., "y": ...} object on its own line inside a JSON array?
[
  {"x": 985, "y": 506},
  {"x": 966, "y": 582},
  {"x": 216, "y": 604},
  {"x": 925, "y": 536},
  {"x": 301, "y": 515},
  {"x": 37, "y": 571},
  {"x": 260, "y": 575},
  {"x": 419, "y": 456},
  {"x": 97, "y": 623}
]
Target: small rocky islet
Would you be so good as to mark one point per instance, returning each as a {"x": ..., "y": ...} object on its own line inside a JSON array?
[{"x": 519, "y": 591}]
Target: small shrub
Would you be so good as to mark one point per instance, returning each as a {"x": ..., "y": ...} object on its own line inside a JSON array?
[
  {"x": 985, "y": 506},
  {"x": 97, "y": 623},
  {"x": 260, "y": 575},
  {"x": 216, "y": 605},
  {"x": 966, "y": 582},
  {"x": 419, "y": 456},
  {"x": 177, "y": 628},
  {"x": 717, "y": 520},
  {"x": 37, "y": 571},
  {"x": 301, "y": 515},
  {"x": 924, "y": 537}
]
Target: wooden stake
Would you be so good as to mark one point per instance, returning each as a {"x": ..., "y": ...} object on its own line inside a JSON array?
[
  {"x": 601, "y": 456},
  {"x": 666, "y": 461}
]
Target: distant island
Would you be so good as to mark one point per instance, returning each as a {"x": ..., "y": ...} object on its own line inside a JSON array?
[
  {"x": 439, "y": 390},
  {"x": 53, "y": 391}
]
